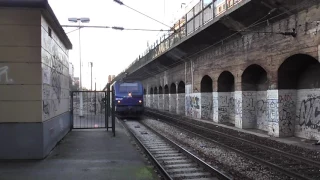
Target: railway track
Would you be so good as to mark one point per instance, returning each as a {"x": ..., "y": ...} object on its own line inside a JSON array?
[
  {"x": 286, "y": 163},
  {"x": 171, "y": 160}
]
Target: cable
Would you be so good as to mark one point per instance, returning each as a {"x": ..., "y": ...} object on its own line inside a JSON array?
[
  {"x": 250, "y": 26},
  {"x": 113, "y": 27},
  {"x": 73, "y": 31},
  {"x": 121, "y": 3}
]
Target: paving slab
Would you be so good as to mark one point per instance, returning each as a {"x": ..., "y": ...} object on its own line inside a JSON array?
[{"x": 84, "y": 154}]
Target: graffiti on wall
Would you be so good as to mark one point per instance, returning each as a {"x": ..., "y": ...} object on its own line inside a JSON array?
[
  {"x": 215, "y": 106},
  {"x": 308, "y": 111},
  {"x": 166, "y": 102},
  {"x": 249, "y": 108},
  {"x": 49, "y": 107},
  {"x": 261, "y": 110},
  {"x": 56, "y": 73},
  {"x": 160, "y": 102},
  {"x": 193, "y": 105},
  {"x": 206, "y": 106},
  {"x": 181, "y": 104},
  {"x": 148, "y": 103},
  {"x": 4, "y": 74},
  {"x": 226, "y": 107},
  {"x": 173, "y": 103},
  {"x": 287, "y": 108},
  {"x": 238, "y": 108},
  {"x": 155, "y": 101},
  {"x": 55, "y": 80}
]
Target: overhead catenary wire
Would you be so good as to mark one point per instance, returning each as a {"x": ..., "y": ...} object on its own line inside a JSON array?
[
  {"x": 121, "y": 3},
  {"x": 112, "y": 27},
  {"x": 256, "y": 23}
]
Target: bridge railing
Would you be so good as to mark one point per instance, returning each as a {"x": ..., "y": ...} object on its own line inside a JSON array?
[{"x": 202, "y": 13}]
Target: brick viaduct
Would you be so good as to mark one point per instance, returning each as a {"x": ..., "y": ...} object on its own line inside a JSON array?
[{"x": 259, "y": 78}]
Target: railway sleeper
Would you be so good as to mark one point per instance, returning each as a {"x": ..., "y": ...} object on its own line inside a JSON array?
[
  {"x": 194, "y": 175},
  {"x": 188, "y": 169},
  {"x": 168, "y": 166},
  {"x": 182, "y": 161}
]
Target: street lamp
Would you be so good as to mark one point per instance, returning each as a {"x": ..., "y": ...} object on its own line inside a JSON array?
[{"x": 80, "y": 20}]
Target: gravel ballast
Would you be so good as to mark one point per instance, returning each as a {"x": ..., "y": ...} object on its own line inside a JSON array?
[
  {"x": 299, "y": 151},
  {"x": 224, "y": 159}
]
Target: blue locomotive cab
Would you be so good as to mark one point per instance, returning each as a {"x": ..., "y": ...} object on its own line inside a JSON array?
[{"x": 128, "y": 99}]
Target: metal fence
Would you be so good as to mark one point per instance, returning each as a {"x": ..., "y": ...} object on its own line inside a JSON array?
[
  {"x": 201, "y": 14},
  {"x": 88, "y": 109}
]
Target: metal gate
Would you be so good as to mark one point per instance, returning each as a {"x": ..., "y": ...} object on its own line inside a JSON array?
[{"x": 89, "y": 109}]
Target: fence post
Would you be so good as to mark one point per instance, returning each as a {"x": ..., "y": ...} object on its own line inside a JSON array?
[
  {"x": 113, "y": 112},
  {"x": 107, "y": 105},
  {"x": 72, "y": 125}
]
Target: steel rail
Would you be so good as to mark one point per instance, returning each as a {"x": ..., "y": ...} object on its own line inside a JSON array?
[
  {"x": 272, "y": 150},
  {"x": 190, "y": 155}
]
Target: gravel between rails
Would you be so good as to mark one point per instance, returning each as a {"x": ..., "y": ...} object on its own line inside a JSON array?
[
  {"x": 299, "y": 151},
  {"x": 236, "y": 165}
]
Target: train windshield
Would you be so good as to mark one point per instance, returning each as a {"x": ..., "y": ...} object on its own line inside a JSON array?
[{"x": 128, "y": 87}]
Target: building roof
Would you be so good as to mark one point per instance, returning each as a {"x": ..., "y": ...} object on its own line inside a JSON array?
[{"x": 48, "y": 13}]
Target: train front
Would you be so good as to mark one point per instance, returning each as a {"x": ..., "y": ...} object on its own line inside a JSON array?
[{"x": 129, "y": 99}]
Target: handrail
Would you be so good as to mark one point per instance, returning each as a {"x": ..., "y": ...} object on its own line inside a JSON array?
[{"x": 201, "y": 13}]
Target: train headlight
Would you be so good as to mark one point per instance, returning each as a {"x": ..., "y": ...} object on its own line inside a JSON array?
[
  {"x": 129, "y": 94},
  {"x": 140, "y": 101},
  {"x": 119, "y": 102}
]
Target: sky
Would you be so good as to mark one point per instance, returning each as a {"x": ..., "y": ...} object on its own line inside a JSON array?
[{"x": 111, "y": 51}]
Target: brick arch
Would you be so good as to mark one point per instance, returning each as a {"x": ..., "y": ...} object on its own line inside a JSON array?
[
  {"x": 173, "y": 88},
  {"x": 299, "y": 71},
  {"x": 226, "y": 82},
  {"x": 181, "y": 87},
  {"x": 291, "y": 54},
  {"x": 254, "y": 78},
  {"x": 206, "y": 84},
  {"x": 155, "y": 90}
]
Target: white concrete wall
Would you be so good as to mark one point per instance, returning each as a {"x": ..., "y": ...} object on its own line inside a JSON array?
[
  {"x": 156, "y": 101},
  {"x": 145, "y": 99},
  {"x": 287, "y": 100},
  {"x": 226, "y": 108},
  {"x": 161, "y": 103},
  {"x": 307, "y": 124},
  {"x": 55, "y": 74},
  {"x": 282, "y": 113},
  {"x": 181, "y": 104},
  {"x": 193, "y": 105},
  {"x": 173, "y": 103},
  {"x": 206, "y": 106},
  {"x": 148, "y": 100},
  {"x": 166, "y": 102},
  {"x": 261, "y": 111}
]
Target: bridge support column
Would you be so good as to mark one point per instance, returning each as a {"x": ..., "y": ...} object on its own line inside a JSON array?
[
  {"x": 173, "y": 103},
  {"x": 156, "y": 101},
  {"x": 161, "y": 103},
  {"x": 281, "y": 112}
]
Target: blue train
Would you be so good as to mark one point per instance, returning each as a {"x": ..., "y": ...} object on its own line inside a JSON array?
[{"x": 128, "y": 98}]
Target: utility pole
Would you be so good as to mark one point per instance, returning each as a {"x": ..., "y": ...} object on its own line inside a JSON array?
[
  {"x": 91, "y": 75},
  {"x": 95, "y": 96}
]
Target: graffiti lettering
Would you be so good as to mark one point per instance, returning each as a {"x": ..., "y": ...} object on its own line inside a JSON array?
[
  {"x": 309, "y": 113},
  {"x": 4, "y": 72},
  {"x": 56, "y": 73},
  {"x": 206, "y": 106}
]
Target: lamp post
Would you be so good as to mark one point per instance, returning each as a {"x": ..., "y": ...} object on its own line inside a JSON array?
[
  {"x": 91, "y": 63},
  {"x": 80, "y": 20}
]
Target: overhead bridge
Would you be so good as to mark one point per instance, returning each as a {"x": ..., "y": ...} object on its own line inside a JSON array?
[{"x": 246, "y": 63}]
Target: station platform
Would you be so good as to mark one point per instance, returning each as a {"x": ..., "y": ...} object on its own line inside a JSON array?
[{"x": 92, "y": 154}]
